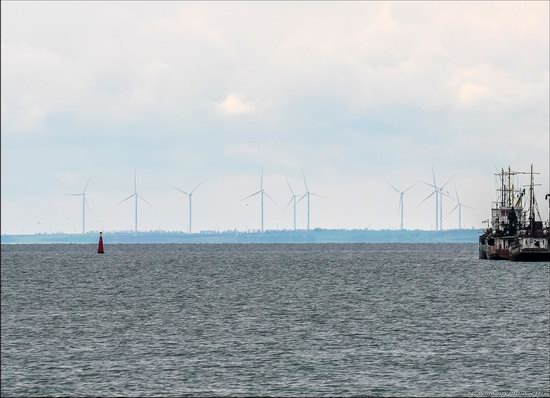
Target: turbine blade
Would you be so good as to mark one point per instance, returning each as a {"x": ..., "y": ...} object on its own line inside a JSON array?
[
  {"x": 410, "y": 187},
  {"x": 289, "y": 187},
  {"x": 456, "y": 193},
  {"x": 394, "y": 188},
  {"x": 454, "y": 208},
  {"x": 427, "y": 183},
  {"x": 469, "y": 207},
  {"x": 319, "y": 196},
  {"x": 249, "y": 196},
  {"x": 449, "y": 196},
  {"x": 262, "y": 180},
  {"x": 427, "y": 198},
  {"x": 74, "y": 194},
  {"x": 303, "y": 196},
  {"x": 399, "y": 208},
  {"x": 194, "y": 189},
  {"x": 176, "y": 188},
  {"x": 266, "y": 194},
  {"x": 124, "y": 200},
  {"x": 87, "y": 205},
  {"x": 288, "y": 204},
  {"x": 448, "y": 181},
  {"x": 305, "y": 182},
  {"x": 142, "y": 198},
  {"x": 86, "y": 186},
  {"x": 433, "y": 175}
]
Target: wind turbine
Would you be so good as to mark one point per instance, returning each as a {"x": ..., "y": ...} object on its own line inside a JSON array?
[
  {"x": 459, "y": 205},
  {"x": 84, "y": 204},
  {"x": 190, "y": 195},
  {"x": 262, "y": 192},
  {"x": 135, "y": 195},
  {"x": 293, "y": 201},
  {"x": 438, "y": 190},
  {"x": 308, "y": 194},
  {"x": 401, "y": 194}
]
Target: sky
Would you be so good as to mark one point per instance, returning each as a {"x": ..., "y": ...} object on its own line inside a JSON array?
[{"x": 355, "y": 95}]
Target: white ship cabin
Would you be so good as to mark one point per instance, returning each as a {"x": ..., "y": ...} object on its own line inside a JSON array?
[{"x": 500, "y": 216}]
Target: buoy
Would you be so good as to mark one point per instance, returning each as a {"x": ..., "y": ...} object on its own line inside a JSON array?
[{"x": 100, "y": 245}]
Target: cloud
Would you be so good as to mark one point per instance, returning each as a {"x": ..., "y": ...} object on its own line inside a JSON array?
[
  {"x": 233, "y": 104},
  {"x": 471, "y": 94},
  {"x": 493, "y": 88},
  {"x": 36, "y": 82},
  {"x": 183, "y": 89}
]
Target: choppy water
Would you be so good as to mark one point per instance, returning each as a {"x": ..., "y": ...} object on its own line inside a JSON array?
[{"x": 350, "y": 319}]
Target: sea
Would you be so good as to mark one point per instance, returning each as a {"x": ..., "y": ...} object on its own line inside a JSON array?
[{"x": 272, "y": 320}]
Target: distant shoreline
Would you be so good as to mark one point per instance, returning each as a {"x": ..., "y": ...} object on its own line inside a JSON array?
[{"x": 301, "y": 236}]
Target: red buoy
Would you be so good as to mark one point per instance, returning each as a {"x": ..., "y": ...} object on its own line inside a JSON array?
[{"x": 100, "y": 245}]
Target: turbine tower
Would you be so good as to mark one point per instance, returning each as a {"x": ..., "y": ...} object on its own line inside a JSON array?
[
  {"x": 401, "y": 194},
  {"x": 438, "y": 190},
  {"x": 190, "y": 195},
  {"x": 135, "y": 195},
  {"x": 459, "y": 206},
  {"x": 293, "y": 201},
  {"x": 262, "y": 192},
  {"x": 308, "y": 194},
  {"x": 84, "y": 204}
]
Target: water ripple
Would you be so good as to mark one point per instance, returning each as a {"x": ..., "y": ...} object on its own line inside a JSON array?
[{"x": 285, "y": 320}]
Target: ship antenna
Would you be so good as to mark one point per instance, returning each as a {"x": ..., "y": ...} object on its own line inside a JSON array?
[
  {"x": 533, "y": 205},
  {"x": 509, "y": 186},
  {"x": 502, "y": 188}
]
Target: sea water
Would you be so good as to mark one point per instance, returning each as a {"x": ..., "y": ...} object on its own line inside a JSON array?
[{"x": 272, "y": 319}]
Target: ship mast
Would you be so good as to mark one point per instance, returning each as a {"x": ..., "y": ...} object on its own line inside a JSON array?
[
  {"x": 532, "y": 200},
  {"x": 506, "y": 196},
  {"x": 502, "y": 187},
  {"x": 510, "y": 187}
]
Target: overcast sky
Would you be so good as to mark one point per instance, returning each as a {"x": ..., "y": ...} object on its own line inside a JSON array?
[{"x": 354, "y": 94}]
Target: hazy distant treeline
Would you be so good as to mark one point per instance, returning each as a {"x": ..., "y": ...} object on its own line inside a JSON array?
[{"x": 312, "y": 236}]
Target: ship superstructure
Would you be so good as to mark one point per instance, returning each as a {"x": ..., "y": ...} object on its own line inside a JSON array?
[
  {"x": 532, "y": 240},
  {"x": 513, "y": 230}
]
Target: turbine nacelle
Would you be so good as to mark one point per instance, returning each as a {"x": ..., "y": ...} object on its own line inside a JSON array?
[
  {"x": 190, "y": 196},
  {"x": 459, "y": 206},
  {"x": 261, "y": 192},
  {"x": 85, "y": 204},
  {"x": 401, "y": 194},
  {"x": 136, "y": 196},
  {"x": 308, "y": 194},
  {"x": 439, "y": 193}
]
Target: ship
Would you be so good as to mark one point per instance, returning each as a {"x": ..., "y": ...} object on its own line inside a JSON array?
[
  {"x": 495, "y": 241},
  {"x": 515, "y": 230},
  {"x": 532, "y": 242}
]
